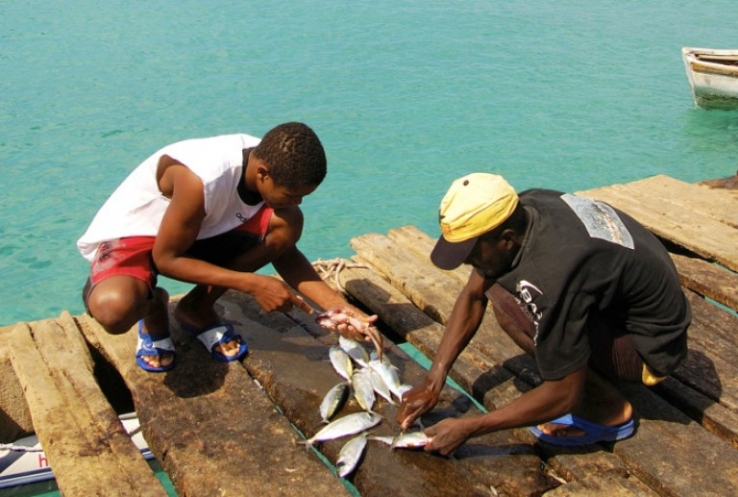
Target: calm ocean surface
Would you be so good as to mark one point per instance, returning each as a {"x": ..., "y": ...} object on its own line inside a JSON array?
[{"x": 406, "y": 96}]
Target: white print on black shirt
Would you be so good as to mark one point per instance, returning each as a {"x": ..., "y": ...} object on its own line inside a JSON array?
[
  {"x": 528, "y": 292},
  {"x": 600, "y": 219}
]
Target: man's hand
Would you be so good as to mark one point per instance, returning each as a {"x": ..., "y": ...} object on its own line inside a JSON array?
[
  {"x": 447, "y": 436},
  {"x": 350, "y": 324},
  {"x": 274, "y": 295},
  {"x": 416, "y": 402}
]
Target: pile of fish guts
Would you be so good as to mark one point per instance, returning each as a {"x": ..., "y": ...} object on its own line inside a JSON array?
[{"x": 365, "y": 376}]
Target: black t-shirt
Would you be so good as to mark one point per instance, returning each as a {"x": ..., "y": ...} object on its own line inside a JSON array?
[{"x": 581, "y": 256}]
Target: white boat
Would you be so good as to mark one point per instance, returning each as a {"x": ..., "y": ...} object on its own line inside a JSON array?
[
  {"x": 24, "y": 461},
  {"x": 713, "y": 76}
]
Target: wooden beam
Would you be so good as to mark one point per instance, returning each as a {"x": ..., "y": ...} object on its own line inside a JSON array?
[
  {"x": 85, "y": 443},
  {"x": 708, "y": 280},
  {"x": 212, "y": 428}
]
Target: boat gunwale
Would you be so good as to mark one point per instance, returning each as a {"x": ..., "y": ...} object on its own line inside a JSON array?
[{"x": 696, "y": 64}]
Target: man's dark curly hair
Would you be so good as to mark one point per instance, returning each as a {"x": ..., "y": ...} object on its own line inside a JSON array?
[{"x": 294, "y": 155}]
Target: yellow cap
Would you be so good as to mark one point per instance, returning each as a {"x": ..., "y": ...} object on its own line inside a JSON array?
[{"x": 475, "y": 204}]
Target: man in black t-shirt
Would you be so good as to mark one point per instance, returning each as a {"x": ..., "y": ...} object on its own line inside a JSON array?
[{"x": 581, "y": 286}]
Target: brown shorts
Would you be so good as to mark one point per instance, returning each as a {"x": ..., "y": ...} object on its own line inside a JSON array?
[{"x": 612, "y": 353}]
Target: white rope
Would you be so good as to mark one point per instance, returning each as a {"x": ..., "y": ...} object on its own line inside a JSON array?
[{"x": 333, "y": 267}]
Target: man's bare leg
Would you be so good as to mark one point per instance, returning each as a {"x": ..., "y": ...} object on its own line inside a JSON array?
[
  {"x": 156, "y": 322},
  {"x": 118, "y": 303},
  {"x": 197, "y": 310},
  {"x": 602, "y": 403}
]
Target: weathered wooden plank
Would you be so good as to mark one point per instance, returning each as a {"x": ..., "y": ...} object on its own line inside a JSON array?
[
  {"x": 718, "y": 324},
  {"x": 213, "y": 430},
  {"x": 15, "y": 419},
  {"x": 403, "y": 268},
  {"x": 295, "y": 370},
  {"x": 707, "y": 237},
  {"x": 710, "y": 370},
  {"x": 638, "y": 453},
  {"x": 706, "y": 370},
  {"x": 411, "y": 238},
  {"x": 83, "y": 439},
  {"x": 713, "y": 416},
  {"x": 680, "y": 195},
  {"x": 609, "y": 484},
  {"x": 670, "y": 452},
  {"x": 708, "y": 280}
]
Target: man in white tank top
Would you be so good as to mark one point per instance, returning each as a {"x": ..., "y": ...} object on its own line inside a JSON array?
[{"x": 211, "y": 212}]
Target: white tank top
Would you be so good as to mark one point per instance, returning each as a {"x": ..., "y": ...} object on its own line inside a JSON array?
[{"x": 137, "y": 206}]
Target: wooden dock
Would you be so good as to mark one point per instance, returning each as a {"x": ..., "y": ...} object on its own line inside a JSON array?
[{"x": 232, "y": 429}]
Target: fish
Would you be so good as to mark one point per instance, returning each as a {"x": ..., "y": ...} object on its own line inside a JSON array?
[
  {"x": 341, "y": 362},
  {"x": 350, "y": 454},
  {"x": 363, "y": 389},
  {"x": 374, "y": 356},
  {"x": 410, "y": 440},
  {"x": 401, "y": 391},
  {"x": 388, "y": 372},
  {"x": 355, "y": 350},
  {"x": 380, "y": 386},
  {"x": 350, "y": 424},
  {"x": 333, "y": 401}
]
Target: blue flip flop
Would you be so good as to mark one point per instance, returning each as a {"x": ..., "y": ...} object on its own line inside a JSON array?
[
  {"x": 593, "y": 432},
  {"x": 217, "y": 334},
  {"x": 153, "y": 346}
]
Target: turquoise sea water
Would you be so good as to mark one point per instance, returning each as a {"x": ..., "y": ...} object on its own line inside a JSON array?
[{"x": 406, "y": 95}]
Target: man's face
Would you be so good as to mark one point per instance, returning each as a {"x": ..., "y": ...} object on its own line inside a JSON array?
[
  {"x": 279, "y": 196},
  {"x": 492, "y": 257}
]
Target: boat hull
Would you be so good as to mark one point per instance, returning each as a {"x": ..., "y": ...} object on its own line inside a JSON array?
[{"x": 713, "y": 76}]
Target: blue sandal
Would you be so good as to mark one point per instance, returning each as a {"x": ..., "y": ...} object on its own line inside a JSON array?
[
  {"x": 593, "y": 432},
  {"x": 217, "y": 334},
  {"x": 153, "y": 346}
]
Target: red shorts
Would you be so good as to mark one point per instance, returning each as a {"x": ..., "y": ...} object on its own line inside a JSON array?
[{"x": 131, "y": 256}]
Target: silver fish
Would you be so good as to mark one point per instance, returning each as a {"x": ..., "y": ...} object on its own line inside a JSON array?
[
  {"x": 380, "y": 386},
  {"x": 410, "y": 440},
  {"x": 389, "y": 374},
  {"x": 341, "y": 362},
  {"x": 385, "y": 439},
  {"x": 350, "y": 455},
  {"x": 363, "y": 389},
  {"x": 374, "y": 356},
  {"x": 355, "y": 350},
  {"x": 343, "y": 427},
  {"x": 333, "y": 401},
  {"x": 401, "y": 391}
]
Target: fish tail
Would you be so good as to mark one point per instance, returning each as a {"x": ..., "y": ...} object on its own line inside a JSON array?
[{"x": 307, "y": 443}]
